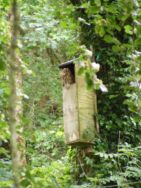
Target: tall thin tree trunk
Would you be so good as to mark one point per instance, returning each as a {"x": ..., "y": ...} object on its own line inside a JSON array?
[{"x": 15, "y": 115}]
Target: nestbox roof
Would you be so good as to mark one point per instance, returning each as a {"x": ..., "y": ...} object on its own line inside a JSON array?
[{"x": 67, "y": 64}]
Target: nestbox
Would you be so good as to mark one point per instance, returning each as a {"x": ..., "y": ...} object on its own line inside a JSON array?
[{"x": 79, "y": 106}]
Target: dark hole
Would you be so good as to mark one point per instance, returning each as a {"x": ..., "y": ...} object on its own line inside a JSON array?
[
  {"x": 70, "y": 65},
  {"x": 71, "y": 68}
]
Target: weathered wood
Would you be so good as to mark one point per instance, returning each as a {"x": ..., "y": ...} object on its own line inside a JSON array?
[
  {"x": 86, "y": 106},
  {"x": 79, "y": 108},
  {"x": 71, "y": 126}
]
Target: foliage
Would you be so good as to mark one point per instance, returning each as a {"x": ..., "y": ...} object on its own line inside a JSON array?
[
  {"x": 53, "y": 32},
  {"x": 121, "y": 168},
  {"x": 111, "y": 29},
  {"x": 114, "y": 39},
  {"x": 50, "y": 176},
  {"x": 5, "y": 167}
]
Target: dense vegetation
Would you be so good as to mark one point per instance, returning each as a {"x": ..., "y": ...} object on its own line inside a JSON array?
[{"x": 53, "y": 32}]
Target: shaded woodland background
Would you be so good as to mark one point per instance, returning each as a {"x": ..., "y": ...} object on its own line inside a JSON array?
[{"x": 52, "y": 32}]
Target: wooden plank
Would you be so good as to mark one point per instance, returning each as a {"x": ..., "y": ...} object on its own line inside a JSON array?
[
  {"x": 86, "y": 106},
  {"x": 70, "y": 111}
]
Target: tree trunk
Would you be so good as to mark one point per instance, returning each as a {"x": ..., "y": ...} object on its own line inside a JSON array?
[{"x": 15, "y": 115}]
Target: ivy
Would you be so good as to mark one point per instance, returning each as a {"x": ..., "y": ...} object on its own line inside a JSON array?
[{"x": 105, "y": 36}]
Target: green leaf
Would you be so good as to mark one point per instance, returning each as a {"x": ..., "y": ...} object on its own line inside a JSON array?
[
  {"x": 128, "y": 29},
  {"x": 110, "y": 39},
  {"x": 116, "y": 48}
]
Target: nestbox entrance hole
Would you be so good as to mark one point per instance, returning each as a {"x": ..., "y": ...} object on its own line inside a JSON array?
[
  {"x": 67, "y": 73},
  {"x": 72, "y": 71}
]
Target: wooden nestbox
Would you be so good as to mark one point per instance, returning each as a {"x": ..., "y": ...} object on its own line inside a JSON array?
[{"x": 79, "y": 106}]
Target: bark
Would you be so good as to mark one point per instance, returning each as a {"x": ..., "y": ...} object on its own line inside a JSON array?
[{"x": 15, "y": 115}]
